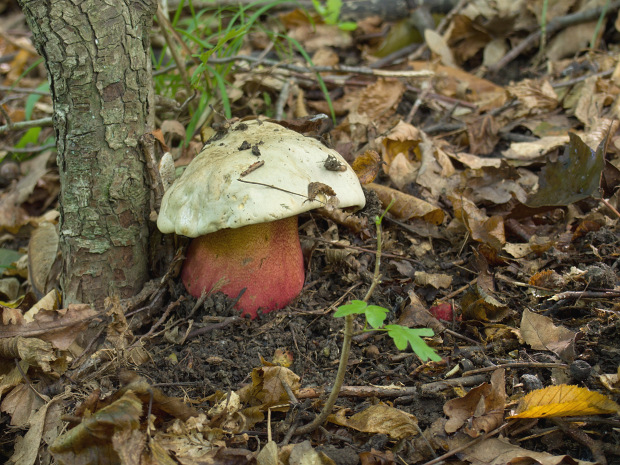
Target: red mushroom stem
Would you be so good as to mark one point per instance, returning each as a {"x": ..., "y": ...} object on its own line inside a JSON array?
[{"x": 265, "y": 258}]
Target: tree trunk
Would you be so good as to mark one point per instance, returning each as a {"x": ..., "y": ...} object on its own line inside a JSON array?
[{"x": 97, "y": 57}]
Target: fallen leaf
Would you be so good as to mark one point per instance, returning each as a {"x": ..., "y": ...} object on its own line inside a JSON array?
[
  {"x": 541, "y": 334},
  {"x": 406, "y": 206},
  {"x": 575, "y": 176},
  {"x": 481, "y": 410},
  {"x": 564, "y": 401},
  {"x": 499, "y": 451},
  {"x": 379, "y": 419},
  {"x": 367, "y": 166}
]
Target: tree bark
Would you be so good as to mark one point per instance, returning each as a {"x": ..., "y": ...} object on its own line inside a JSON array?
[{"x": 97, "y": 56}]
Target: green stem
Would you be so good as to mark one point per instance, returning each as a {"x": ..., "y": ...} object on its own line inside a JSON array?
[{"x": 346, "y": 347}]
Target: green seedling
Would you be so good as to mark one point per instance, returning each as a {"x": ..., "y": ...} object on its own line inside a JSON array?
[
  {"x": 401, "y": 335},
  {"x": 330, "y": 12}
]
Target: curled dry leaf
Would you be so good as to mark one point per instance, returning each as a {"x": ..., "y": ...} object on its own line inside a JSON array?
[
  {"x": 479, "y": 305},
  {"x": 367, "y": 166},
  {"x": 406, "y": 206},
  {"x": 481, "y": 410},
  {"x": 483, "y": 229}
]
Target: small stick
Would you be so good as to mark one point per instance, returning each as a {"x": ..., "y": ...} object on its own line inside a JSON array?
[{"x": 516, "y": 365}]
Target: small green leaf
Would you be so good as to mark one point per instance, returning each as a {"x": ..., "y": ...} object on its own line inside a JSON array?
[
  {"x": 356, "y": 307},
  {"x": 8, "y": 256},
  {"x": 402, "y": 335},
  {"x": 347, "y": 26},
  {"x": 375, "y": 315}
]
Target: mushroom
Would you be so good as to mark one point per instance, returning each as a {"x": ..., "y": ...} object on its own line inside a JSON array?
[{"x": 240, "y": 197}]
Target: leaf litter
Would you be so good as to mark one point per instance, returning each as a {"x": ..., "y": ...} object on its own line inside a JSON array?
[{"x": 502, "y": 238}]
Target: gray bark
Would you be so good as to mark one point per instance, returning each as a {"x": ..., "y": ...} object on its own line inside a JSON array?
[{"x": 97, "y": 57}]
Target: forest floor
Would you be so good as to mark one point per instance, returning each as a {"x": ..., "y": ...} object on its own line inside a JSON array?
[{"x": 502, "y": 237}]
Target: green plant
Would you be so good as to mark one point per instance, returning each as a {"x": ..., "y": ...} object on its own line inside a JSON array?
[
  {"x": 214, "y": 37},
  {"x": 375, "y": 315},
  {"x": 401, "y": 335},
  {"x": 330, "y": 12}
]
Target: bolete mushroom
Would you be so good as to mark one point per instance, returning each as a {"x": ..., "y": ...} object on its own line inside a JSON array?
[{"x": 240, "y": 197}]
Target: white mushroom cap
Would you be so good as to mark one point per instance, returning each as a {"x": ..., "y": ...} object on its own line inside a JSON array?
[{"x": 219, "y": 189}]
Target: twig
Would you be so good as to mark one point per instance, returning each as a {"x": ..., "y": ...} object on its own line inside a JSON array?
[
  {"x": 553, "y": 26},
  {"x": 165, "y": 24},
  {"x": 23, "y": 90},
  {"x": 43, "y": 122},
  {"x": 282, "y": 98},
  {"x": 38, "y": 148},
  {"x": 610, "y": 206},
  {"x": 456, "y": 450},
  {"x": 582, "y": 438},
  {"x": 346, "y": 347},
  {"x": 516, "y": 365},
  {"x": 163, "y": 317},
  {"x": 320, "y": 69},
  {"x": 585, "y": 294},
  {"x": 394, "y": 391}
]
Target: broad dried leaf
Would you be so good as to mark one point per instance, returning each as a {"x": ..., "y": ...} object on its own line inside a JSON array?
[
  {"x": 379, "y": 419},
  {"x": 267, "y": 386},
  {"x": 535, "y": 97},
  {"x": 403, "y": 138},
  {"x": 437, "y": 280},
  {"x": 564, "y": 401},
  {"x": 457, "y": 83},
  {"x": 499, "y": 451},
  {"x": 477, "y": 304},
  {"x": 541, "y": 334},
  {"x": 406, "y": 206},
  {"x": 91, "y": 439},
  {"x": 481, "y": 410},
  {"x": 575, "y": 176},
  {"x": 60, "y": 327},
  {"x": 42, "y": 252},
  {"x": 483, "y": 229},
  {"x": 367, "y": 166},
  {"x": 532, "y": 152}
]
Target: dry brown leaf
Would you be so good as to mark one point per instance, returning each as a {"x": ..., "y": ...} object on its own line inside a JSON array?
[
  {"x": 402, "y": 139},
  {"x": 378, "y": 102},
  {"x": 477, "y": 304},
  {"x": 379, "y": 419},
  {"x": 474, "y": 161},
  {"x": 42, "y": 252},
  {"x": 499, "y": 451},
  {"x": 60, "y": 327},
  {"x": 481, "y": 410},
  {"x": 564, "y": 401},
  {"x": 541, "y": 334},
  {"x": 417, "y": 315},
  {"x": 483, "y": 229},
  {"x": 437, "y": 280},
  {"x": 438, "y": 46},
  {"x": 266, "y": 388},
  {"x": 367, "y": 166},
  {"x": 534, "y": 151},
  {"x": 535, "y": 97},
  {"x": 406, "y": 206},
  {"x": 92, "y": 438},
  {"x": 456, "y": 83}
]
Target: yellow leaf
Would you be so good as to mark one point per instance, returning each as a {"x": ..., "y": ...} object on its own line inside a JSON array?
[{"x": 564, "y": 401}]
